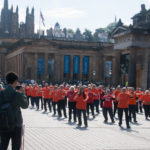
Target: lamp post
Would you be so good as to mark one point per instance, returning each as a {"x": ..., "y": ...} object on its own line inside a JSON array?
[{"x": 94, "y": 74}]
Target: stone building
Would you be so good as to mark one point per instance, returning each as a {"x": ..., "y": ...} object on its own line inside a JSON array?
[
  {"x": 9, "y": 23},
  {"x": 127, "y": 60},
  {"x": 58, "y": 61},
  {"x": 132, "y": 46}
]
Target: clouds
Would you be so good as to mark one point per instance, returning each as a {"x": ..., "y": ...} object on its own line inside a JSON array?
[{"x": 64, "y": 13}]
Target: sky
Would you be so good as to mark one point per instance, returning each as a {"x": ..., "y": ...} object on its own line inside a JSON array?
[{"x": 83, "y": 14}]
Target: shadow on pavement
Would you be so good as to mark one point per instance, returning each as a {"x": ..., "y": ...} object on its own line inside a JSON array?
[
  {"x": 81, "y": 128},
  {"x": 128, "y": 130}
]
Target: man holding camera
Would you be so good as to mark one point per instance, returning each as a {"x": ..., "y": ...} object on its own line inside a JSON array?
[{"x": 17, "y": 100}]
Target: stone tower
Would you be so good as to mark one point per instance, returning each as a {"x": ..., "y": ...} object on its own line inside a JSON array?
[
  {"x": 14, "y": 29},
  {"x": 5, "y": 19},
  {"x": 29, "y": 23}
]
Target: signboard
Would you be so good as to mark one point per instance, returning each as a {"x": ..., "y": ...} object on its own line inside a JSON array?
[
  {"x": 40, "y": 69},
  {"x": 76, "y": 64},
  {"x": 85, "y": 65},
  {"x": 66, "y": 64}
]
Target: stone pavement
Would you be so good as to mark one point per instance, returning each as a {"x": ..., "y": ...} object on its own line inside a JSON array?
[{"x": 45, "y": 132}]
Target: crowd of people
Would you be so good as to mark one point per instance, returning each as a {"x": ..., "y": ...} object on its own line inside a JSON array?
[{"x": 82, "y": 99}]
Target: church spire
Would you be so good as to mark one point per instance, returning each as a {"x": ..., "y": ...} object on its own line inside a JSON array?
[
  {"x": 17, "y": 9},
  {"x": 27, "y": 11},
  {"x": 5, "y": 4},
  {"x": 32, "y": 11}
]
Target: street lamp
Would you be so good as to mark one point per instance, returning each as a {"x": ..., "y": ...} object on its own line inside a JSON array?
[{"x": 94, "y": 74}]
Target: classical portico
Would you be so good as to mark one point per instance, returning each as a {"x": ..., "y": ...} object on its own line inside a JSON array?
[{"x": 58, "y": 61}]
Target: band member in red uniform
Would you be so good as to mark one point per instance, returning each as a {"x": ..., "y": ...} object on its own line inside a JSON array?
[
  {"x": 55, "y": 99},
  {"x": 107, "y": 106},
  {"x": 40, "y": 98},
  {"x": 139, "y": 106},
  {"x": 61, "y": 102},
  {"x": 96, "y": 98},
  {"x": 116, "y": 93},
  {"x": 81, "y": 99},
  {"x": 46, "y": 91},
  {"x": 90, "y": 102},
  {"x": 146, "y": 103},
  {"x": 34, "y": 95},
  {"x": 72, "y": 103},
  {"x": 132, "y": 106},
  {"x": 29, "y": 91}
]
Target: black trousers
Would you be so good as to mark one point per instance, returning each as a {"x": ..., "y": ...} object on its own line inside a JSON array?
[
  {"x": 101, "y": 103},
  {"x": 62, "y": 106},
  {"x": 90, "y": 106},
  {"x": 37, "y": 103},
  {"x": 96, "y": 104},
  {"x": 28, "y": 99},
  {"x": 132, "y": 112},
  {"x": 137, "y": 107},
  {"x": 15, "y": 137},
  {"x": 41, "y": 99},
  {"x": 120, "y": 115},
  {"x": 105, "y": 113},
  {"x": 72, "y": 110},
  {"x": 80, "y": 112},
  {"x": 146, "y": 110},
  {"x": 140, "y": 107},
  {"x": 54, "y": 104},
  {"x": 47, "y": 101},
  {"x": 115, "y": 107},
  {"x": 33, "y": 101}
]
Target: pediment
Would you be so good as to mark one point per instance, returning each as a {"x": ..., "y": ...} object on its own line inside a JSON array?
[{"x": 119, "y": 30}]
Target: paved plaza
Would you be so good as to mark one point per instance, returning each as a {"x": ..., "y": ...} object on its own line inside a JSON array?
[{"x": 45, "y": 132}]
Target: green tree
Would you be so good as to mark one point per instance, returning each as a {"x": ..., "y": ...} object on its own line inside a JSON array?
[
  {"x": 110, "y": 27},
  {"x": 88, "y": 35}
]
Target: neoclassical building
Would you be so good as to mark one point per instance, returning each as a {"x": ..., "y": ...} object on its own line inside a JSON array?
[
  {"x": 126, "y": 61},
  {"x": 58, "y": 61}
]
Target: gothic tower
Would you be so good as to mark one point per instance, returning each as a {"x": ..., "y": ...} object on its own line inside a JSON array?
[
  {"x": 29, "y": 23},
  {"x": 5, "y": 18},
  {"x": 14, "y": 32}
]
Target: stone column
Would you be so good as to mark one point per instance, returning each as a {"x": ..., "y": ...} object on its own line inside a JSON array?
[
  {"x": 81, "y": 68},
  {"x": 145, "y": 68},
  {"x": 90, "y": 68},
  {"x": 104, "y": 68},
  {"x": 46, "y": 67},
  {"x": 71, "y": 67},
  {"x": 132, "y": 68},
  {"x": 114, "y": 70},
  {"x": 100, "y": 68},
  {"x": 62, "y": 67},
  {"x": 35, "y": 66}
]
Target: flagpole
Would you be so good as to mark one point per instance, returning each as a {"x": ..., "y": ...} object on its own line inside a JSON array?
[{"x": 40, "y": 24}]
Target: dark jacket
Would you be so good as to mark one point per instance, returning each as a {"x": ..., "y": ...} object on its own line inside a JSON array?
[{"x": 19, "y": 101}]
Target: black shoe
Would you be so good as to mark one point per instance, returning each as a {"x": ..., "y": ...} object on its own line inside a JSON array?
[
  {"x": 93, "y": 116},
  {"x": 128, "y": 127},
  {"x": 105, "y": 121},
  {"x": 135, "y": 121},
  {"x": 79, "y": 125},
  {"x": 113, "y": 121},
  {"x": 86, "y": 126},
  {"x": 119, "y": 124}
]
